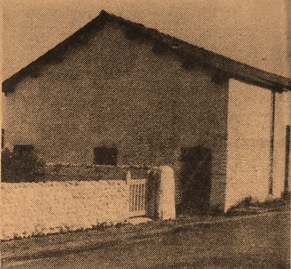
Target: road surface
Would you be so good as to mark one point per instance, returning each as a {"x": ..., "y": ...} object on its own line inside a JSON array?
[{"x": 261, "y": 241}]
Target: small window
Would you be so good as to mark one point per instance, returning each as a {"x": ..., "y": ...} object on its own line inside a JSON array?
[{"x": 105, "y": 156}]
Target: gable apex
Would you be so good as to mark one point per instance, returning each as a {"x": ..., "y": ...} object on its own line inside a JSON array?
[{"x": 190, "y": 53}]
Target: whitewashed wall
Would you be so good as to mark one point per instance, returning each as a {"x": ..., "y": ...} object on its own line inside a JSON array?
[
  {"x": 282, "y": 119},
  {"x": 59, "y": 206},
  {"x": 248, "y": 148},
  {"x": 41, "y": 208}
]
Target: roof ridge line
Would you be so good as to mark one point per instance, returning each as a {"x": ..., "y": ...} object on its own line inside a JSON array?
[{"x": 225, "y": 64}]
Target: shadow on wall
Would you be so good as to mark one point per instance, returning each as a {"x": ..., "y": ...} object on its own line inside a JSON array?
[{"x": 195, "y": 177}]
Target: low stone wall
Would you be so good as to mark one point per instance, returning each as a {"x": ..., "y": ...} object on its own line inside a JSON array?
[
  {"x": 57, "y": 204},
  {"x": 40, "y": 208}
]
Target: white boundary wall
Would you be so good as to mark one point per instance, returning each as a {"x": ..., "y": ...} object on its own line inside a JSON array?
[
  {"x": 50, "y": 207},
  {"x": 41, "y": 208}
]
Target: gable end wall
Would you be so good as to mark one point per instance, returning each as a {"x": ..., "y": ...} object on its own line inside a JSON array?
[{"x": 112, "y": 91}]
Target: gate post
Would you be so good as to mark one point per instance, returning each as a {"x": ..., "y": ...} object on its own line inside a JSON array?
[{"x": 166, "y": 194}]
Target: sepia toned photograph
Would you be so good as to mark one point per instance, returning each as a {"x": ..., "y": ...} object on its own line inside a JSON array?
[{"x": 145, "y": 134}]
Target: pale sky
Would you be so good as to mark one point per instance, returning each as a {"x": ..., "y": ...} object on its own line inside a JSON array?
[{"x": 250, "y": 31}]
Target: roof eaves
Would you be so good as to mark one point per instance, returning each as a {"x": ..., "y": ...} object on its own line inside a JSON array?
[{"x": 231, "y": 68}]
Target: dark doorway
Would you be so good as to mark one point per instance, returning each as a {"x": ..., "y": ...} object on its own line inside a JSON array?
[{"x": 195, "y": 179}]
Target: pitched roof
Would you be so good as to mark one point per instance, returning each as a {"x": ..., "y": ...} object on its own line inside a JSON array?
[{"x": 191, "y": 54}]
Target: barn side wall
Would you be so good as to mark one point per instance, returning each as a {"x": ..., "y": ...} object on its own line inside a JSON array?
[
  {"x": 255, "y": 167},
  {"x": 282, "y": 120},
  {"x": 116, "y": 92},
  {"x": 249, "y": 142}
]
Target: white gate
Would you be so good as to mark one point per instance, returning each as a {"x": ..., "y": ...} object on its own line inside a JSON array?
[{"x": 137, "y": 197}]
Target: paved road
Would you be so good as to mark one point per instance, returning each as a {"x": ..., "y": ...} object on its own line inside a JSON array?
[{"x": 258, "y": 242}]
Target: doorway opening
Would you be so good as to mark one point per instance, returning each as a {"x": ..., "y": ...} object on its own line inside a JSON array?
[{"x": 195, "y": 179}]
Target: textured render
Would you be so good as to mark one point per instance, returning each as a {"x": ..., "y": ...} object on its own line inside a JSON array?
[
  {"x": 112, "y": 91},
  {"x": 42, "y": 208}
]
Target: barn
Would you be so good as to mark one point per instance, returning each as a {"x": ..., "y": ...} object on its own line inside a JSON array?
[{"x": 118, "y": 93}]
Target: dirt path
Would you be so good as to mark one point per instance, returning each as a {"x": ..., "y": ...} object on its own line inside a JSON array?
[{"x": 260, "y": 241}]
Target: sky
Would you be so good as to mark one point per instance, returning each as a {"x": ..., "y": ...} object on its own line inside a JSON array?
[{"x": 251, "y": 31}]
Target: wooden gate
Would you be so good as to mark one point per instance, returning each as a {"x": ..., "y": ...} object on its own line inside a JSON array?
[{"x": 137, "y": 197}]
